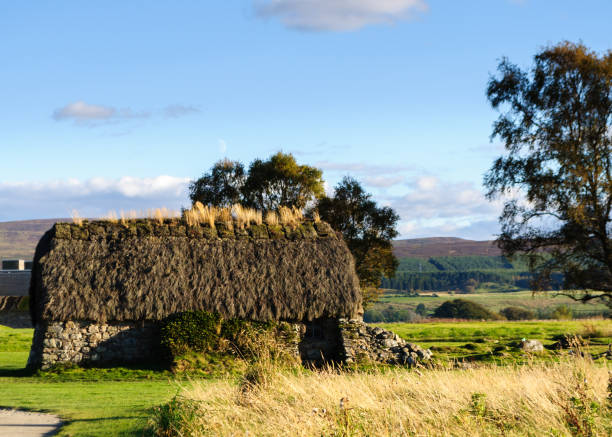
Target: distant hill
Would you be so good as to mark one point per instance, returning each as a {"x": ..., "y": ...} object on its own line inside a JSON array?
[
  {"x": 443, "y": 246},
  {"x": 18, "y": 240}
]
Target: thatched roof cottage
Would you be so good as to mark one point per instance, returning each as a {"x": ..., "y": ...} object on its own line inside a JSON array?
[{"x": 99, "y": 288}]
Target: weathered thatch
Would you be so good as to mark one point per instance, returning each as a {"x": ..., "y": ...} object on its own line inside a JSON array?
[{"x": 143, "y": 270}]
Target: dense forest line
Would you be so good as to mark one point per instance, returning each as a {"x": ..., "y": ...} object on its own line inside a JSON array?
[{"x": 443, "y": 273}]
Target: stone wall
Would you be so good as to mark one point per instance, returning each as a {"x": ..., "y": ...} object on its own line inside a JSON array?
[
  {"x": 362, "y": 343},
  {"x": 86, "y": 343}
]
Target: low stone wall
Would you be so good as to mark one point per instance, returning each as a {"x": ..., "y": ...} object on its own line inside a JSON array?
[
  {"x": 362, "y": 343},
  {"x": 86, "y": 343},
  {"x": 96, "y": 344}
]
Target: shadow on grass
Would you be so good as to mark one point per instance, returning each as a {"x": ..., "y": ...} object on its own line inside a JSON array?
[
  {"x": 117, "y": 372},
  {"x": 16, "y": 373}
]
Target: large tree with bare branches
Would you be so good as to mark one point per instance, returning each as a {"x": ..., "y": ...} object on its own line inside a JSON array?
[{"x": 556, "y": 125}]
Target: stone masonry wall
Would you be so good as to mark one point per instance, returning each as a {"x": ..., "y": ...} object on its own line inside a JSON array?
[
  {"x": 362, "y": 343},
  {"x": 86, "y": 343}
]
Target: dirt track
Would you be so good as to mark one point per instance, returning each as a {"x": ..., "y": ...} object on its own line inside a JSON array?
[{"x": 27, "y": 424}]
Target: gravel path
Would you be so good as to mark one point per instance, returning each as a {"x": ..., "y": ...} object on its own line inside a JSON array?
[{"x": 27, "y": 424}]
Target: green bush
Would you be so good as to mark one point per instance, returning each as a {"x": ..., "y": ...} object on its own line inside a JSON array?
[
  {"x": 562, "y": 312},
  {"x": 196, "y": 331},
  {"x": 390, "y": 314},
  {"x": 517, "y": 313},
  {"x": 421, "y": 310},
  {"x": 176, "y": 418},
  {"x": 194, "y": 339},
  {"x": 463, "y": 309}
]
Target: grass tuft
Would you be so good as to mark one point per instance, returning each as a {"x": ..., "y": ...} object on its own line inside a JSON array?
[
  {"x": 76, "y": 218},
  {"x": 272, "y": 218}
]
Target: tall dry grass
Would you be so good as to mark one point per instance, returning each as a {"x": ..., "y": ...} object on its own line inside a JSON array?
[
  {"x": 555, "y": 399},
  {"x": 198, "y": 214},
  {"x": 76, "y": 217},
  {"x": 290, "y": 216},
  {"x": 271, "y": 218}
]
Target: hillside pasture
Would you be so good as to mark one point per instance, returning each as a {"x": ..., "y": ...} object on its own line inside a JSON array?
[{"x": 542, "y": 303}]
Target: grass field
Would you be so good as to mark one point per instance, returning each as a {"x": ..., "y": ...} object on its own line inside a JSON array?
[
  {"x": 120, "y": 401},
  {"x": 93, "y": 402},
  {"x": 492, "y": 301},
  {"x": 497, "y": 341}
]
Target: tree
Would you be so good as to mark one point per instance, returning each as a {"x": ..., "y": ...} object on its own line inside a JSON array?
[
  {"x": 367, "y": 230},
  {"x": 469, "y": 285},
  {"x": 517, "y": 313},
  {"x": 222, "y": 186},
  {"x": 280, "y": 181},
  {"x": 557, "y": 131},
  {"x": 421, "y": 310},
  {"x": 463, "y": 309}
]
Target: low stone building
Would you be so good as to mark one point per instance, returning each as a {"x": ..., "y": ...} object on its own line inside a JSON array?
[{"x": 100, "y": 289}]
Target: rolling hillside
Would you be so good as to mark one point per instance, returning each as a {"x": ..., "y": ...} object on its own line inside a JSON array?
[
  {"x": 443, "y": 246},
  {"x": 18, "y": 239}
]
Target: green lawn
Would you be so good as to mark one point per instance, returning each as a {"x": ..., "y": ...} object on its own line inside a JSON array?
[
  {"x": 496, "y": 341},
  {"x": 93, "y": 402}
]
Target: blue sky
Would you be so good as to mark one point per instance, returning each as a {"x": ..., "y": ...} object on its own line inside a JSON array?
[{"x": 117, "y": 105}]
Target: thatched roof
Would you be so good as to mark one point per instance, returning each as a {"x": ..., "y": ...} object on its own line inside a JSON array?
[{"x": 143, "y": 270}]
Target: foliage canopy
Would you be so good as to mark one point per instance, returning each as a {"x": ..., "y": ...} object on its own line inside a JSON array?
[
  {"x": 557, "y": 131},
  {"x": 281, "y": 181},
  {"x": 367, "y": 230},
  {"x": 268, "y": 185},
  {"x": 222, "y": 186}
]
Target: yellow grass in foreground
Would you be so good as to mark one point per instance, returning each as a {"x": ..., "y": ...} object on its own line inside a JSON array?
[{"x": 556, "y": 400}]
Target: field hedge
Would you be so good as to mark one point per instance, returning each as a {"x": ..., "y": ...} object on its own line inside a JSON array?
[{"x": 464, "y": 309}]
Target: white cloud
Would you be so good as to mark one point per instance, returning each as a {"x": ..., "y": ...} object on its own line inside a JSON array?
[
  {"x": 176, "y": 111},
  {"x": 92, "y": 198},
  {"x": 433, "y": 207},
  {"x": 372, "y": 175},
  {"x": 430, "y": 198},
  {"x": 338, "y": 15},
  {"x": 87, "y": 114},
  {"x": 427, "y": 183},
  {"x": 81, "y": 111}
]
